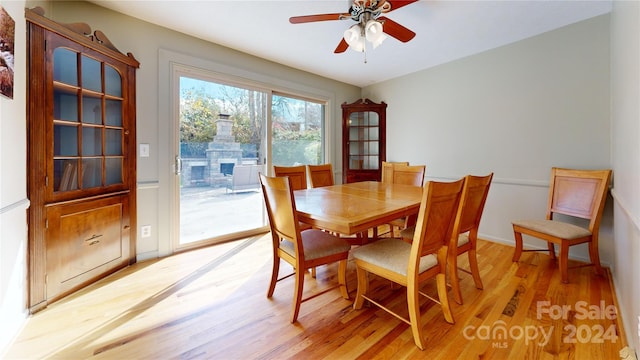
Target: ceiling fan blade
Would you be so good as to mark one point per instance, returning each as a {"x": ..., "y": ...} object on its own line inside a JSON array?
[
  {"x": 396, "y": 30},
  {"x": 397, "y": 4},
  {"x": 342, "y": 47},
  {"x": 318, "y": 17}
]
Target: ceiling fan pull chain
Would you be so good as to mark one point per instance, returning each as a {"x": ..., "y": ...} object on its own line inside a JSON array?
[{"x": 364, "y": 50}]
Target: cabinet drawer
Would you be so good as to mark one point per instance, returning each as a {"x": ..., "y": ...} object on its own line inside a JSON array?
[{"x": 83, "y": 239}]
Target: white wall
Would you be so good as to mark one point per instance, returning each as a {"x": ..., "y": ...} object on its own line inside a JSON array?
[
  {"x": 569, "y": 97},
  {"x": 13, "y": 189},
  {"x": 516, "y": 110},
  {"x": 625, "y": 149}
]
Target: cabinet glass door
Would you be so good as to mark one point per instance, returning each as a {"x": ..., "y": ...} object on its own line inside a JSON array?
[
  {"x": 364, "y": 140},
  {"x": 88, "y": 132}
]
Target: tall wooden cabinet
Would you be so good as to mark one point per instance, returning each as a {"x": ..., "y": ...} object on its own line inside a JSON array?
[
  {"x": 363, "y": 140},
  {"x": 81, "y": 156}
]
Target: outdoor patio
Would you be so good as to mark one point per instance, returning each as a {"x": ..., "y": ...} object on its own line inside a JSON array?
[{"x": 208, "y": 212}]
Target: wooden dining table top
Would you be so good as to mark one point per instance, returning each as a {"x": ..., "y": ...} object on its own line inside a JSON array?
[{"x": 356, "y": 207}]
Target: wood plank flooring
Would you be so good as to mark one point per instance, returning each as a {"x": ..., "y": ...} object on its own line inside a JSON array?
[{"x": 211, "y": 303}]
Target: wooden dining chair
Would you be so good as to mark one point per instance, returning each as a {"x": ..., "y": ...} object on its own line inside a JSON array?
[
  {"x": 320, "y": 175},
  {"x": 474, "y": 197},
  {"x": 302, "y": 249},
  {"x": 575, "y": 193},
  {"x": 410, "y": 265},
  {"x": 387, "y": 170},
  {"x": 297, "y": 174},
  {"x": 406, "y": 175}
]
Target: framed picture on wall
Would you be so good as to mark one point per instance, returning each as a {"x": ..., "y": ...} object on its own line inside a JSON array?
[{"x": 7, "y": 34}]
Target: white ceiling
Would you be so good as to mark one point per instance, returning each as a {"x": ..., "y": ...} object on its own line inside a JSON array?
[{"x": 446, "y": 30}]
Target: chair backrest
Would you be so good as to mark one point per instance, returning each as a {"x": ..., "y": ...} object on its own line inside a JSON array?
[
  {"x": 297, "y": 175},
  {"x": 474, "y": 196},
  {"x": 409, "y": 175},
  {"x": 281, "y": 209},
  {"x": 436, "y": 220},
  {"x": 320, "y": 175},
  {"x": 578, "y": 193},
  {"x": 241, "y": 175},
  {"x": 387, "y": 170}
]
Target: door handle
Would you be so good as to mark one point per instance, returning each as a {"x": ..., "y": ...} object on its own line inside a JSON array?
[{"x": 178, "y": 165}]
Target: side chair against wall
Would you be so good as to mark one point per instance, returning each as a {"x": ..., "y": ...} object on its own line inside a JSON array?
[
  {"x": 412, "y": 264},
  {"x": 304, "y": 250},
  {"x": 406, "y": 175},
  {"x": 474, "y": 197},
  {"x": 320, "y": 175},
  {"x": 576, "y": 193}
]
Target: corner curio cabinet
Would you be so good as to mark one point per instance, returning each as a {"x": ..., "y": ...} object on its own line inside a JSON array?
[
  {"x": 81, "y": 154},
  {"x": 363, "y": 140}
]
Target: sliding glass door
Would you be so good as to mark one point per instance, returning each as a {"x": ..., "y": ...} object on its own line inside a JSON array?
[
  {"x": 223, "y": 146},
  {"x": 297, "y": 131}
]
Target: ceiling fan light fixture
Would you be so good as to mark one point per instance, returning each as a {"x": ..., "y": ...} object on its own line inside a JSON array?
[
  {"x": 354, "y": 38},
  {"x": 374, "y": 33},
  {"x": 372, "y": 24}
]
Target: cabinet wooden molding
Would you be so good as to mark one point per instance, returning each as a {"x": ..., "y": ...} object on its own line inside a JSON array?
[
  {"x": 363, "y": 140},
  {"x": 82, "y": 157}
]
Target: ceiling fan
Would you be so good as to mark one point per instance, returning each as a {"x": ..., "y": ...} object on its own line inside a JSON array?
[{"x": 370, "y": 24}]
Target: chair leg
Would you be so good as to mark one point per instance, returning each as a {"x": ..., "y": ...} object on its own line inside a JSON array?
[
  {"x": 454, "y": 279},
  {"x": 274, "y": 276},
  {"x": 342, "y": 278},
  {"x": 413, "y": 303},
  {"x": 552, "y": 250},
  {"x": 475, "y": 271},
  {"x": 392, "y": 231},
  {"x": 363, "y": 287},
  {"x": 518, "y": 250},
  {"x": 594, "y": 255},
  {"x": 313, "y": 272},
  {"x": 441, "y": 283},
  {"x": 563, "y": 262},
  {"x": 297, "y": 295}
]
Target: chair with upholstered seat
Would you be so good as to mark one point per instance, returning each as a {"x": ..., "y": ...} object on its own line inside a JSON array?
[
  {"x": 406, "y": 175},
  {"x": 474, "y": 196},
  {"x": 387, "y": 177},
  {"x": 387, "y": 170},
  {"x": 574, "y": 193},
  {"x": 297, "y": 174},
  {"x": 304, "y": 250},
  {"x": 410, "y": 265},
  {"x": 320, "y": 175}
]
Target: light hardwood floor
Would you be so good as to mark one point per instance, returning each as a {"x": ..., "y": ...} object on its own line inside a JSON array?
[{"x": 211, "y": 304}]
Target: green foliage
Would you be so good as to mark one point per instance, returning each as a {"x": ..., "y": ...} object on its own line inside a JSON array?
[
  {"x": 296, "y": 147},
  {"x": 297, "y": 124},
  {"x": 198, "y": 112}
]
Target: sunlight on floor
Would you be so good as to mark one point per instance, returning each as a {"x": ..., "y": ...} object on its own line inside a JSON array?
[{"x": 108, "y": 316}]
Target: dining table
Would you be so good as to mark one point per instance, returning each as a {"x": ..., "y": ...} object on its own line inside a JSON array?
[{"x": 354, "y": 208}]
